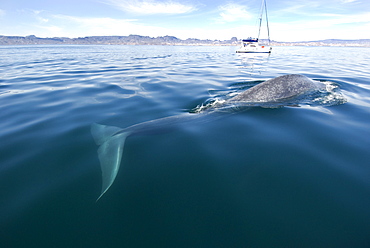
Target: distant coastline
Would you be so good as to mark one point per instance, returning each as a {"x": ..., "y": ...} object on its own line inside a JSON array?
[{"x": 163, "y": 40}]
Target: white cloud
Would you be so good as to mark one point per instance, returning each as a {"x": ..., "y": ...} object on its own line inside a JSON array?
[
  {"x": 348, "y": 1},
  {"x": 38, "y": 13},
  {"x": 148, "y": 7},
  {"x": 2, "y": 12},
  {"x": 233, "y": 12},
  {"x": 339, "y": 27},
  {"x": 341, "y": 19}
]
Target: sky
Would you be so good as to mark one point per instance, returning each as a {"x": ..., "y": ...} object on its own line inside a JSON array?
[{"x": 289, "y": 20}]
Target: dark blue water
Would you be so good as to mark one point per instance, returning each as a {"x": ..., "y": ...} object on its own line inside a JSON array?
[{"x": 265, "y": 177}]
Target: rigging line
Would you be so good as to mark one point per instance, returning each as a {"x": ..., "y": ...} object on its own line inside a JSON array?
[{"x": 267, "y": 23}]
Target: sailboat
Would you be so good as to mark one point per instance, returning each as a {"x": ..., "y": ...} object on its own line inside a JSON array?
[{"x": 254, "y": 45}]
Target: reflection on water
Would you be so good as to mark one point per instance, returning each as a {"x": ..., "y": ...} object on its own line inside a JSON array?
[{"x": 255, "y": 63}]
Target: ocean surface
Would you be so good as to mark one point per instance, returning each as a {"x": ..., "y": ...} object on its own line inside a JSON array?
[{"x": 296, "y": 175}]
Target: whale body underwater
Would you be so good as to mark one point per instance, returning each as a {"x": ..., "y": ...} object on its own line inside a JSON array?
[{"x": 111, "y": 139}]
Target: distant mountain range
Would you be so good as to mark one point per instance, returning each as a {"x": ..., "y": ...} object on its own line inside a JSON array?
[
  {"x": 329, "y": 42},
  {"x": 110, "y": 40},
  {"x": 161, "y": 40}
]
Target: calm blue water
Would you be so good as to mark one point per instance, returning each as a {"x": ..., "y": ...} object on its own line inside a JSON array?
[{"x": 266, "y": 177}]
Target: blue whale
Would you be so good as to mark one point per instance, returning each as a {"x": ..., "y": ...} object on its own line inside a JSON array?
[
  {"x": 277, "y": 90},
  {"x": 111, "y": 139}
]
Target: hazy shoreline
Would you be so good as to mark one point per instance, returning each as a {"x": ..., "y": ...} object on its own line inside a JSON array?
[{"x": 163, "y": 40}]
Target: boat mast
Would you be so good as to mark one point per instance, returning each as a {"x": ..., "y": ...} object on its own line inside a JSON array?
[
  {"x": 259, "y": 27},
  {"x": 263, "y": 6}
]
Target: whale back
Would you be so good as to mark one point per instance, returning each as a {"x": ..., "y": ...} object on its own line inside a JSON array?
[{"x": 277, "y": 89}]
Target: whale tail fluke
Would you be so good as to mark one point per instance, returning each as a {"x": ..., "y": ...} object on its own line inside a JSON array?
[{"x": 111, "y": 142}]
